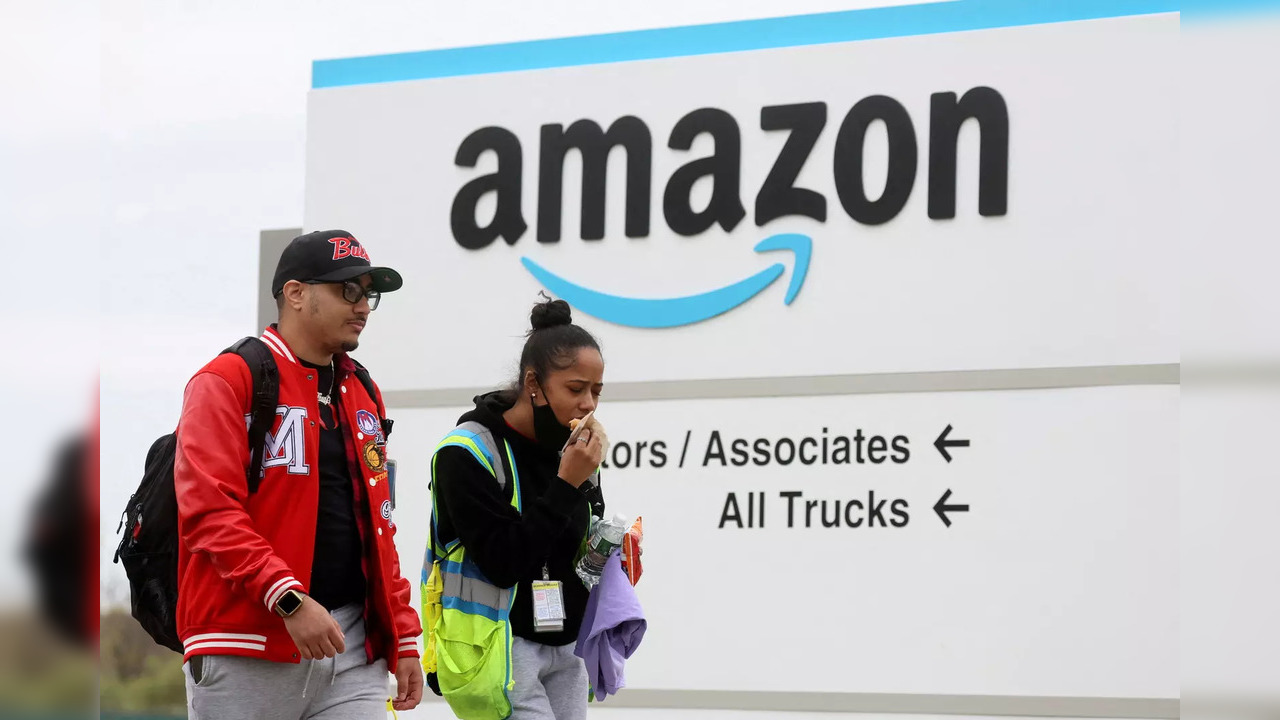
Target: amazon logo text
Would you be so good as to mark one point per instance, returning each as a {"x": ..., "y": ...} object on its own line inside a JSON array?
[{"x": 778, "y": 196}]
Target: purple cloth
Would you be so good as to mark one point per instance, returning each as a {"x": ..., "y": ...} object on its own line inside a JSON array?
[{"x": 611, "y": 629}]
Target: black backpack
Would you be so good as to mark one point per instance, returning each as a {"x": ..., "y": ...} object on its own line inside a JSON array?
[{"x": 149, "y": 548}]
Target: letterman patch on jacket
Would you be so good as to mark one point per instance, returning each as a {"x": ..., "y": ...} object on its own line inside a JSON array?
[
  {"x": 287, "y": 445},
  {"x": 369, "y": 425},
  {"x": 373, "y": 456},
  {"x": 386, "y": 513}
]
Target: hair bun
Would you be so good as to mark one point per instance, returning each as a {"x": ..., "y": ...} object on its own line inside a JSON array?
[{"x": 550, "y": 314}]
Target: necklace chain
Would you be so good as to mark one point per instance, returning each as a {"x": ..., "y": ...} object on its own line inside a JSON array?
[{"x": 326, "y": 398}]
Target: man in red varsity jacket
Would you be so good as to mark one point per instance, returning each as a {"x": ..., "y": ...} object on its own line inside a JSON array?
[{"x": 291, "y": 602}]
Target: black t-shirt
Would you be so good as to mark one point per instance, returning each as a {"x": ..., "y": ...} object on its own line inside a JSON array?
[{"x": 337, "y": 576}]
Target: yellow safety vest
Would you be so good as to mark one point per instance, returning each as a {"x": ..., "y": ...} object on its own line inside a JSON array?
[{"x": 467, "y": 617}]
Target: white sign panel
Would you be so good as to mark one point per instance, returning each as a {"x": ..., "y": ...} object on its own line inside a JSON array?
[
  {"x": 969, "y": 200},
  {"x": 827, "y": 545}
]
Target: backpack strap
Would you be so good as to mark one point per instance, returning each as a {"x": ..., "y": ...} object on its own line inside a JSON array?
[
  {"x": 363, "y": 375},
  {"x": 266, "y": 395}
]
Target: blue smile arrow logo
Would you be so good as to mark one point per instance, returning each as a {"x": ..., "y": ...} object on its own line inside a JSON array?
[{"x": 673, "y": 312}]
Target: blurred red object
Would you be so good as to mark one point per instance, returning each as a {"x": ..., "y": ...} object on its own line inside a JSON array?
[{"x": 631, "y": 551}]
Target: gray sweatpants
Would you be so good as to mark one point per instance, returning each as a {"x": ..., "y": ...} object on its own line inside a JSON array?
[
  {"x": 345, "y": 687},
  {"x": 551, "y": 682}
]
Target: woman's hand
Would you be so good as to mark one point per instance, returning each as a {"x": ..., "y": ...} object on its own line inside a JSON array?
[{"x": 581, "y": 458}]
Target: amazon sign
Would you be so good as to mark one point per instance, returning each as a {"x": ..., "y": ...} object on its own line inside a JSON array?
[
  {"x": 948, "y": 186},
  {"x": 924, "y": 205},
  {"x": 777, "y": 199}
]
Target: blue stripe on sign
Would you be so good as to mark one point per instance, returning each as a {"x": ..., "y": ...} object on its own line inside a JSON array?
[
  {"x": 845, "y": 26},
  {"x": 1200, "y": 9}
]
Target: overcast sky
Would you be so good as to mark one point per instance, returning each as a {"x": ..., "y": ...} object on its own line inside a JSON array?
[{"x": 145, "y": 144}]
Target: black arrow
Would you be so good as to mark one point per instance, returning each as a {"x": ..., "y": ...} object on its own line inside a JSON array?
[
  {"x": 942, "y": 508},
  {"x": 942, "y": 443}
]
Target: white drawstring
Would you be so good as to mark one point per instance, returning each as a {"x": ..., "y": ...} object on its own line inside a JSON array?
[
  {"x": 311, "y": 665},
  {"x": 333, "y": 675}
]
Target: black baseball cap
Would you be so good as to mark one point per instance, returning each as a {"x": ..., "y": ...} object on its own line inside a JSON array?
[{"x": 330, "y": 256}]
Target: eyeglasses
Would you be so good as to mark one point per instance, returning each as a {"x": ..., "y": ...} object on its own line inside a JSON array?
[{"x": 352, "y": 292}]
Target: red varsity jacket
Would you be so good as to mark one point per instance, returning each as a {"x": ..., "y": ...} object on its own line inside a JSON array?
[{"x": 239, "y": 552}]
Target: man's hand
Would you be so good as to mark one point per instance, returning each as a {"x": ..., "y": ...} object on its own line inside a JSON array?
[
  {"x": 314, "y": 631},
  {"x": 408, "y": 684}
]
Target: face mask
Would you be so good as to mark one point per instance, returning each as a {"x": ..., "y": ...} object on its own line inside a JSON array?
[{"x": 548, "y": 431}]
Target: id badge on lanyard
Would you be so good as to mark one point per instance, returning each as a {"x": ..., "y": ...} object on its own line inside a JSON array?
[{"x": 548, "y": 604}]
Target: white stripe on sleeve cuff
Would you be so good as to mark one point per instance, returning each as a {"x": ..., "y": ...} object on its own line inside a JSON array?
[{"x": 277, "y": 590}]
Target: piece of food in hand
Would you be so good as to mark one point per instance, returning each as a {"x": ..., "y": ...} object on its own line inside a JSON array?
[
  {"x": 576, "y": 427},
  {"x": 594, "y": 426}
]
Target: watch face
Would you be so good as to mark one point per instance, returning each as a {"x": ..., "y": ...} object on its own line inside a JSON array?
[{"x": 289, "y": 603}]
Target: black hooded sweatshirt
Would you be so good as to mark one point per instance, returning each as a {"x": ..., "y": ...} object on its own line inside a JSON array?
[{"x": 510, "y": 547}]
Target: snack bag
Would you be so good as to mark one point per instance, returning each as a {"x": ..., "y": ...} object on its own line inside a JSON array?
[{"x": 631, "y": 551}]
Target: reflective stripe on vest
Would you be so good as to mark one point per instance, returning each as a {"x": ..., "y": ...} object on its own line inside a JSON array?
[{"x": 467, "y": 590}]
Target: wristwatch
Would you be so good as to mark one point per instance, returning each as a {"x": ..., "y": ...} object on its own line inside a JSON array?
[{"x": 288, "y": 603}]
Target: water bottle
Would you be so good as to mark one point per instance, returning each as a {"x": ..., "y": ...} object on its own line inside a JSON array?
[{"x": 605, "y": 536}]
